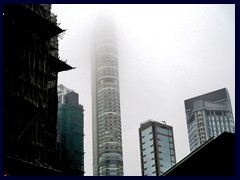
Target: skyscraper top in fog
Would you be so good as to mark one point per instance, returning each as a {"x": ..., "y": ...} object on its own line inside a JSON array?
[
  {"x": 208, "y": 115},
  {"x": 107, "y": 135}
]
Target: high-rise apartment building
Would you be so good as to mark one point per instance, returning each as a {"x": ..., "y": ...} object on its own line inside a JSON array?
[
  {"x": 208, "y": 115},
  {"x": 156, "y": 148},
  {"x": 70, "y": 128},
  {"x": 107, "y": 136}
]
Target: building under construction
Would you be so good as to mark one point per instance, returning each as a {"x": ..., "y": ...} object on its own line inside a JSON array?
[{"x": 31, "y": 66}]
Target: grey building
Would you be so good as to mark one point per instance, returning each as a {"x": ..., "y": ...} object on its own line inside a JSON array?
[
  {"x": 156, "y": 148},
  {"x": 208, "y": 115},
  {"x": 106, "y": 117}
]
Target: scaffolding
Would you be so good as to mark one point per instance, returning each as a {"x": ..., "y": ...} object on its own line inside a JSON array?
[{"x": 30, "y": 88}]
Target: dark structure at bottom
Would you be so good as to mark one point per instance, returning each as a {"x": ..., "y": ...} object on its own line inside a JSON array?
[{"x": 214, "y": 158}]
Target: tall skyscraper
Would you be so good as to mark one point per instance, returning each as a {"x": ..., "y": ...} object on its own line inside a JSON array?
[
  {"x": 70, "y": 132},
  {"x": 107, "y": 136},
  {"x": 208, "y": 115},
  {"x": 156, "y": 148}
]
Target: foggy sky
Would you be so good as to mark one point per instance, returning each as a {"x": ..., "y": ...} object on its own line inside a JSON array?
[{"x": 166, "y": 54}]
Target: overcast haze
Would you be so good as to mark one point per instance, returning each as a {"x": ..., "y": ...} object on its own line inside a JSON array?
[{"x": 166, "y": 54}]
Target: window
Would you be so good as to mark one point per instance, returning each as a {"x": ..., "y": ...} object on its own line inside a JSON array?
[{"x": 162, "y": 130}]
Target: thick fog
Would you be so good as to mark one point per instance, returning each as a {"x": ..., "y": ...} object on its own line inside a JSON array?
[{"x": 166, "y": 54}]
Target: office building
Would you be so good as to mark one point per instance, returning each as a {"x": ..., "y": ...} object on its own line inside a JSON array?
[
  {"x": 70, "y": 128},
  {"x": 30, "y": 72},
  {"x": 156, "y": 148},
  {"x": 208, "y": 115},
  {"x": 106, "y": 117}
]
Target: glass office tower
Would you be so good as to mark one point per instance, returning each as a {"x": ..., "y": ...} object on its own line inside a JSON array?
[
  {"x": 208, "y": 115},
  {"x": 106, "y": 118},
  {"x": 156, "y": 148},
  {"x": 70, "y": 132}
]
